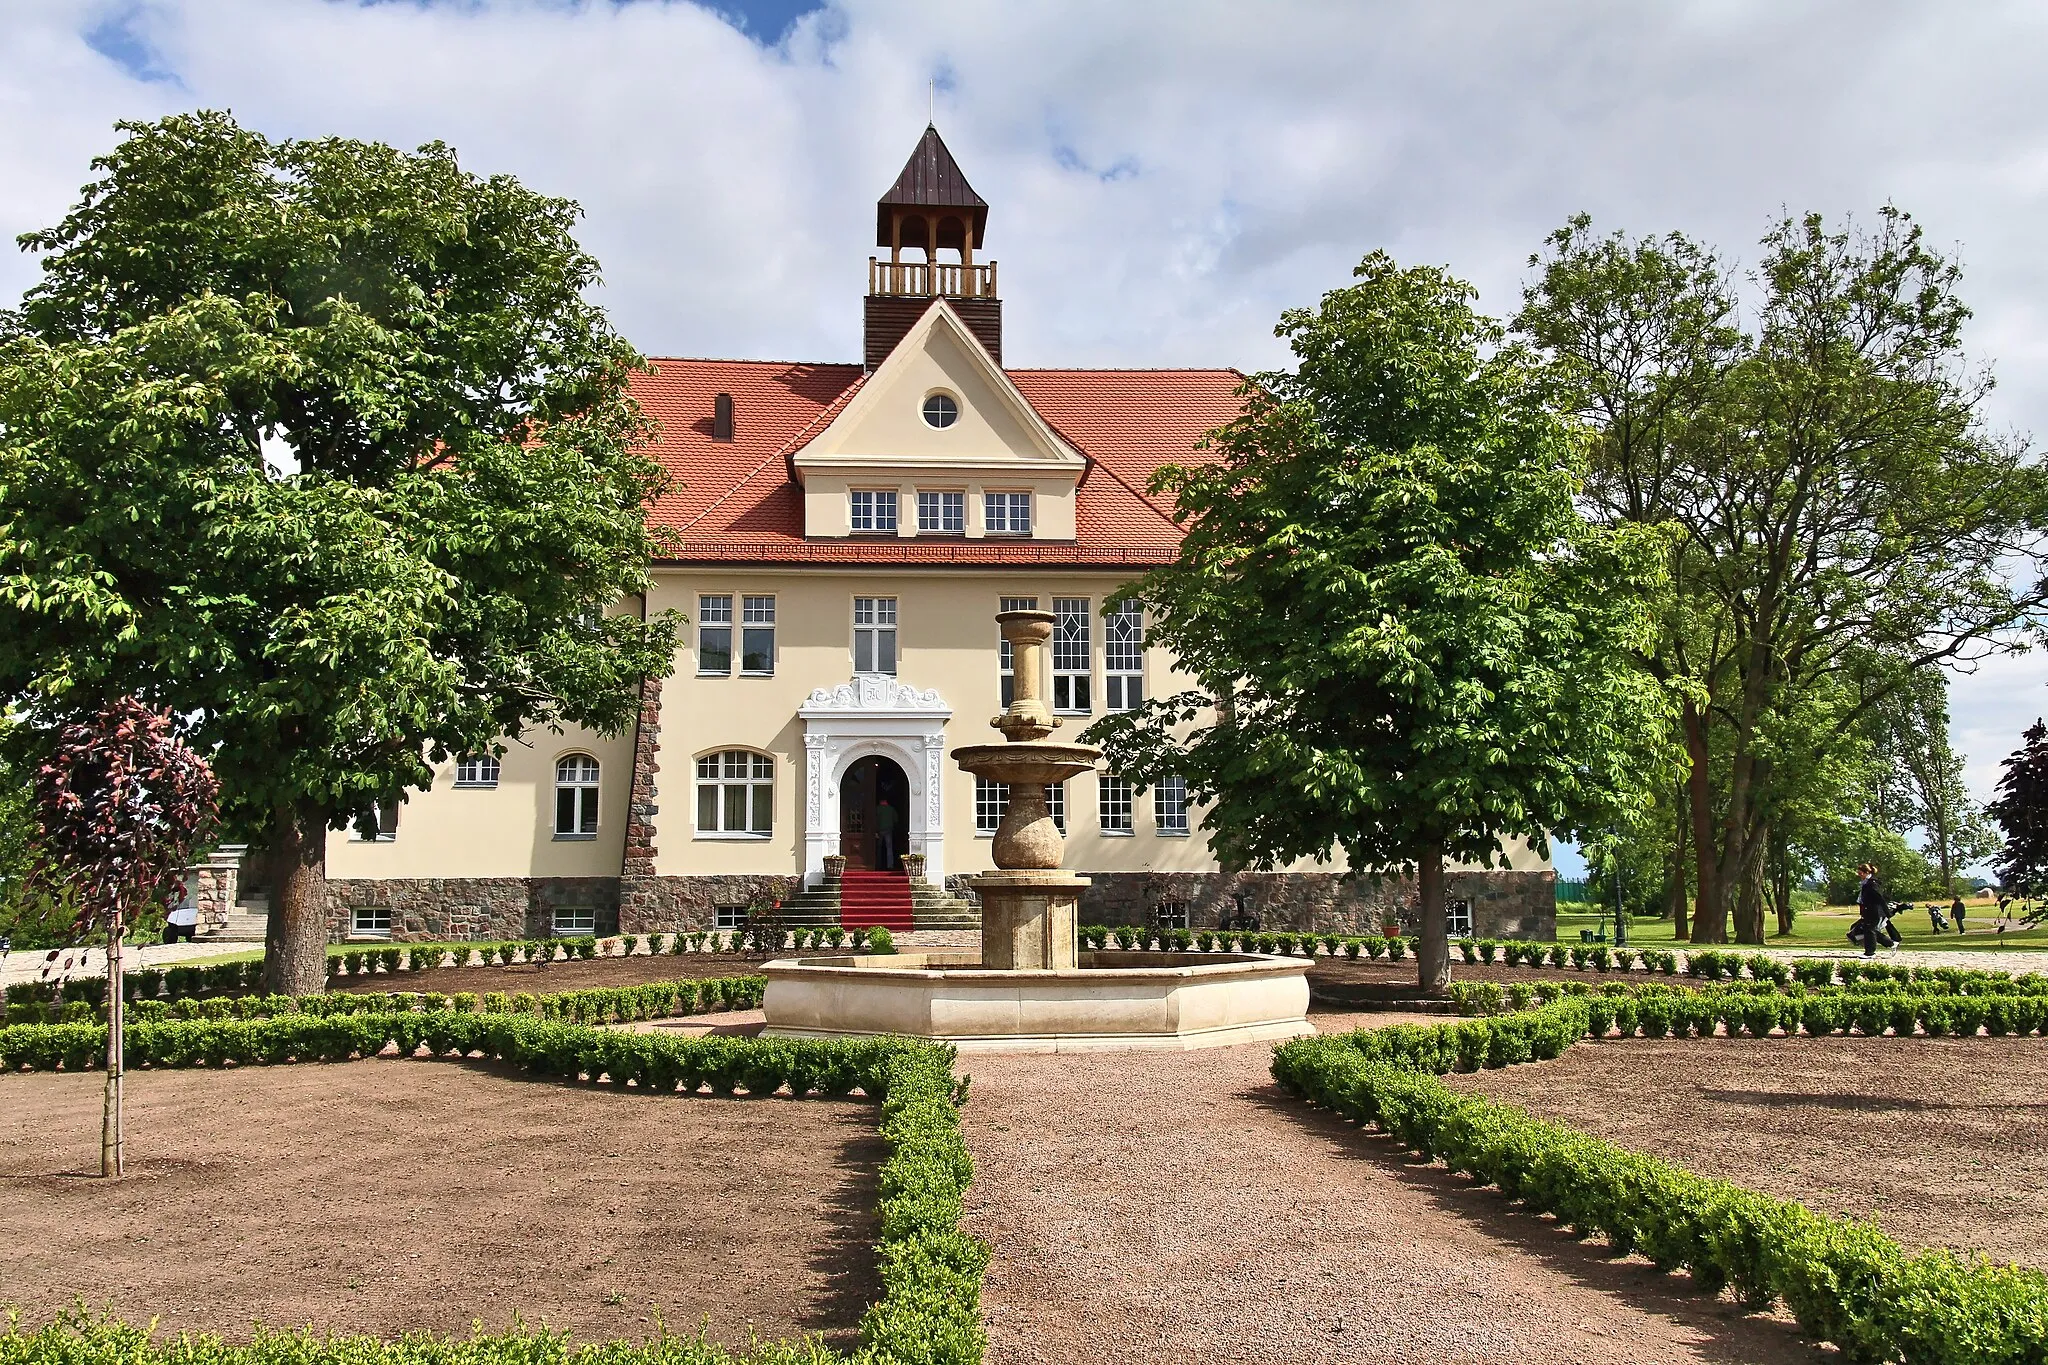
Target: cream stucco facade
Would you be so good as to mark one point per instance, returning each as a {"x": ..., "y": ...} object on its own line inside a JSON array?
[{"x": 821, "y": 503}]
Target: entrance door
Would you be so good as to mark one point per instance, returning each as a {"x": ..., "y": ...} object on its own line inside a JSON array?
[{"x": 869, "y": 786}]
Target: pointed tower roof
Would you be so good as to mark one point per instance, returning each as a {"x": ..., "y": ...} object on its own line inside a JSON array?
[{"x": 930, "y": 179}]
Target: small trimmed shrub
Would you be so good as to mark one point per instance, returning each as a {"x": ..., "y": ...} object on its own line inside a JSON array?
[
  {"x": 1397, "y": 948},
  {"x": 880, "y": 940}
]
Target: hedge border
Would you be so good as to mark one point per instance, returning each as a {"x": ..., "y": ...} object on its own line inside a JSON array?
[
  {"x": 1713, "y": 964},
  {"x": 1871, "y": 1009},
  {"x": 1844, "y": 1282},
  {"x": 931, "y": 1271},
  {"x": 581, "y": 1005}
]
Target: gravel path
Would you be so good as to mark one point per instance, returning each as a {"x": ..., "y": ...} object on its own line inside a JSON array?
[
  {"x": 1175, "y": 1207},
  {"x": 59, "y": 964}
]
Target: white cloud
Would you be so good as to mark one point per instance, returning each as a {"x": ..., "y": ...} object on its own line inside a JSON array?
[{"x": 1164, "y": 177}]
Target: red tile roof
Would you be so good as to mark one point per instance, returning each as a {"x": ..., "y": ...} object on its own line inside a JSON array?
[{"x": 739, "y": 501}]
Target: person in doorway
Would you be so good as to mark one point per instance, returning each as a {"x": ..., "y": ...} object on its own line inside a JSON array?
[
  {"x": 885, "y": 835},
  {"x": 1870, "y": 910},
  {"x": 182, "y": 921},
  {"x": 1956, "y": 912}
]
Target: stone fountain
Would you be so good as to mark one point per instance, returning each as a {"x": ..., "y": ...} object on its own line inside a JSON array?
[{"x": 1030, "y": 988}]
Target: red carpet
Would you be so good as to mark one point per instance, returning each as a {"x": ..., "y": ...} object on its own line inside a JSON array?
[{"x": 867, "y": 899}]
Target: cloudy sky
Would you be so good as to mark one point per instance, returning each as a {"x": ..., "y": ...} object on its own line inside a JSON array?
[{"x": 1164, "y": 177}]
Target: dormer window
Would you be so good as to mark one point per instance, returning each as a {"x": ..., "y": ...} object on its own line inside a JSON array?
[
  {"x": 873, "y": 511},
  {"x": 940, "y": 410},
  {"x": 1006, "y": 514},
  {"x": 942, "y": 514}
]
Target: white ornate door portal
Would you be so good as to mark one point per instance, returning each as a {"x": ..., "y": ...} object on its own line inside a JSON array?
[{"x": 868, "y": 715}]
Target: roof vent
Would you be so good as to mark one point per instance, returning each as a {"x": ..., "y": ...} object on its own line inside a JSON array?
[{"x": 721, "y": 417}]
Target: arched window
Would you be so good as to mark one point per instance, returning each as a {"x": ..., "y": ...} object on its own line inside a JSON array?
[
  {"x": 736, "y": 793},
  {"x": 576, "y": 797}
]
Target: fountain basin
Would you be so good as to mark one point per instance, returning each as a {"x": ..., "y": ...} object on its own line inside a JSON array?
[{"x": 1113, "y": 1001}]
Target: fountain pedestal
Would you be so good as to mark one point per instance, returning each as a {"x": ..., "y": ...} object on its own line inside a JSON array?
[{"x": 1030, "y": 921}]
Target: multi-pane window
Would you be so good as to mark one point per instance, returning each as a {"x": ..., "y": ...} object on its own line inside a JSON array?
[
  {"x": 991, "y": 801},
  {"x": 476, "y": 770},
  {"x": 1006, "y": 514},
  {"x": 1458, "y": 918},
  {"x": 1070, "y": 651},
  {"x": 573, "y": 921},
  {"x": 941, "y": 513},
  {"x": 1170, "y": 806},
  {"x": 371, "y": 921},
  {"x": 874, "y": 510},
  {"x": 735, "y": 793},
  {"x": 1123, "y": 658},
  {"x": 757, "y": 635},
  {"x": 576, "y": 797},
  {"x": 1113, "y": 803},
  {"x": 1008, "y": 665},
  {"x": 728, "y": 916},
  {"x": 874, "y": 635},
  {"x": 1170, "y": 915},
  {"x": 714, "y": 636}
]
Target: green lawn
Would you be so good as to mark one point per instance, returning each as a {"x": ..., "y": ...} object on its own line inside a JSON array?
[{"x": 1825, "y": 927}]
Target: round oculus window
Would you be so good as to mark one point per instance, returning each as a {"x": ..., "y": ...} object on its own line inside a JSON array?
[{"x": 941, "y": 411}]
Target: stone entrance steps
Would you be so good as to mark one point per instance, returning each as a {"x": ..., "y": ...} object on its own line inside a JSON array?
[
  {"x": 243, "y": 926},
  {"x": 930, "y": 908}
]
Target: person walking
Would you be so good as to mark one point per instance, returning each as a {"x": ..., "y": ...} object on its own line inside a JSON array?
[
  {"x": 182, "y": 921},
  {"x": 885, "y": 835},
  {"x": 1956, "y": 911},
  {"x": 1870, "y": 910}
]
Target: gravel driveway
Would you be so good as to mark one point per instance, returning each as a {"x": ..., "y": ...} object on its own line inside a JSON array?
[{"x": 1175, "y": 1207}]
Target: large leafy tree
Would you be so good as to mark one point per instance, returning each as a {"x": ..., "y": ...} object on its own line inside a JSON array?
[
  {"x": 1414, "y": 645},
  {"x": 122, "y": 802},
  {"x": 324, "y": 445},
  {"x": 1844, "y": 519},
  {"x": 2021, "y": 810}
]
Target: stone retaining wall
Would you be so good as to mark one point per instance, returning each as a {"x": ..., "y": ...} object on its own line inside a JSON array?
[
  {"x": 430, "y": 908},
  {"x": 1504, "y": 904},
  {"x": 667, "y": 905}
]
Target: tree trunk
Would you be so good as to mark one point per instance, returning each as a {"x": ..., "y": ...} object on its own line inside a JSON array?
[
  {"x": 1710, "y": 912},
  {"x": 111, "y": 1155},
  {"x": 1781, "y": 886},
  {"x": 1679, "y": 878},
  {"x": 1749, "y": 908},
  {"x": 1433, "y": 948},
  {"x": 295, "y": 940}
]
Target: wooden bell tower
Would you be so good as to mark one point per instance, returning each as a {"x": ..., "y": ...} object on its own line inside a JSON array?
[{"x": 930, "y": 209}]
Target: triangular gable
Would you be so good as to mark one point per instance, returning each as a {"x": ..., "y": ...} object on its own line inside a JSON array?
[{"x": 883, "y": 423}]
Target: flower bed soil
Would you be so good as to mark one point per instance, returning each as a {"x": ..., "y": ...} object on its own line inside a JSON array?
[
  {"x": 1939, "y": 1139},
  {"x": 389, "y": 1195},
  {"x": 542, "y": 978}
]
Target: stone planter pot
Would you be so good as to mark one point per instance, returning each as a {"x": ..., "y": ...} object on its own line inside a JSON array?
[
  {"x": 913, "y": 863},
  {"x": 835, "y": 866}
]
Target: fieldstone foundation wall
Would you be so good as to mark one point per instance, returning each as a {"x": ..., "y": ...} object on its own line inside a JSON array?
[
  {"x": 668, "y": 905},
  {"x": 1504, "y": 904},
  {"x": 428, "y": 908}
]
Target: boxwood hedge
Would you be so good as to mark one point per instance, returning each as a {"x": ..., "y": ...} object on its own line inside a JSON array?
[{"x": 1845, "y": 1282}]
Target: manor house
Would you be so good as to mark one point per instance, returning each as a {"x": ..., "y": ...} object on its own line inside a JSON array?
[{"x": 841, "y": 537}]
